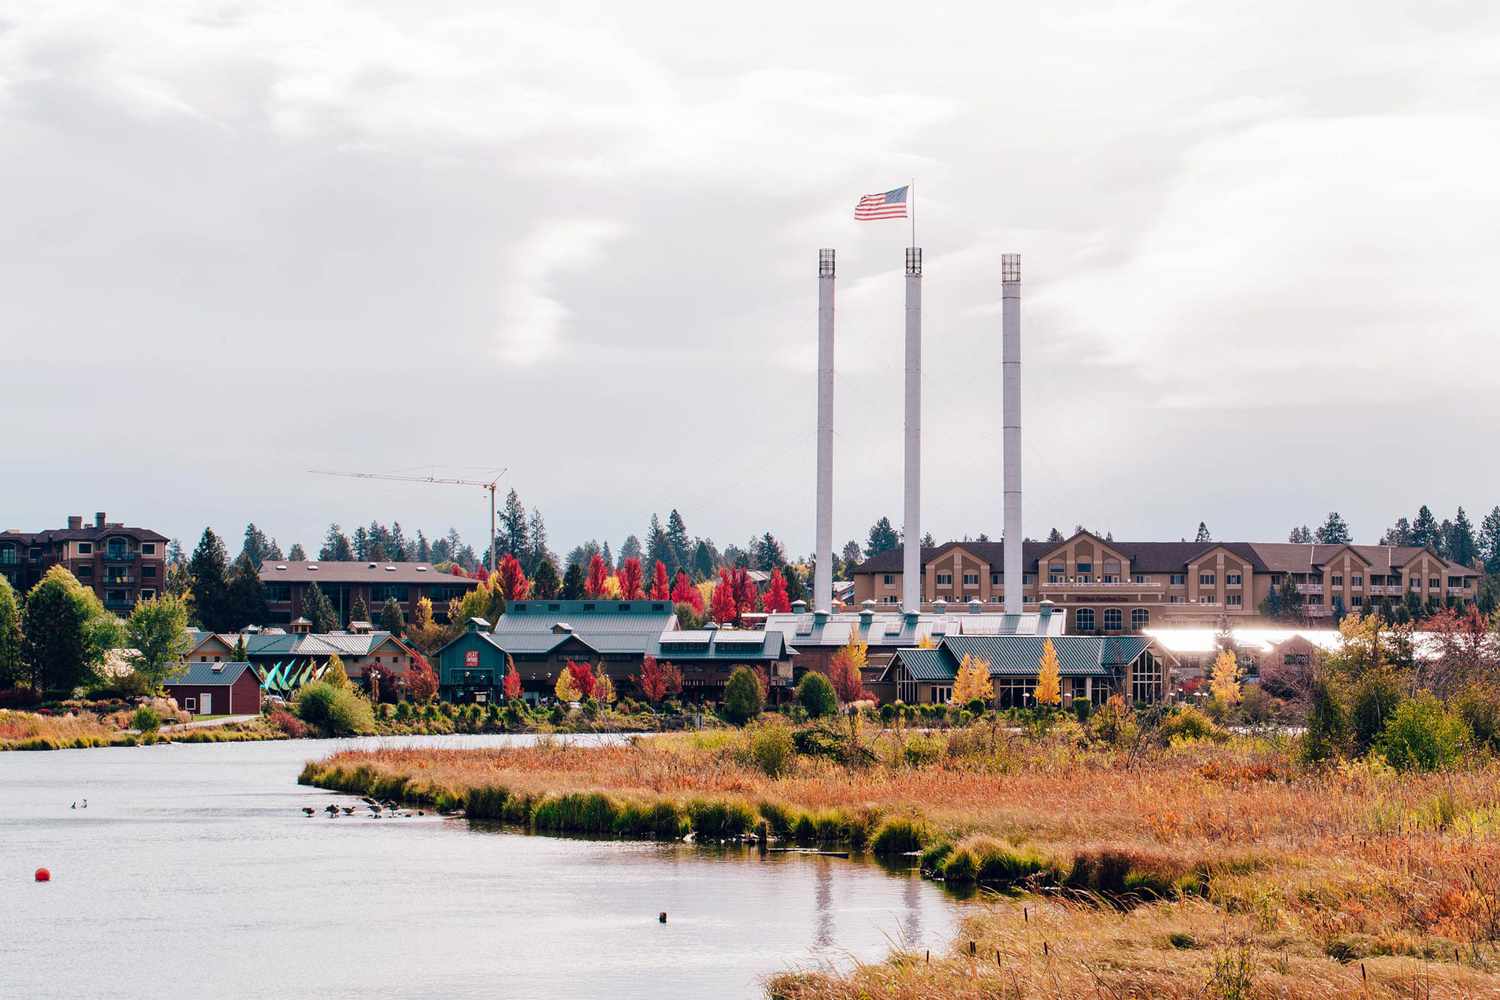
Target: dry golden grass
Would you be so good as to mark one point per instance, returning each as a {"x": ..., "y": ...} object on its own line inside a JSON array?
[
  {"x": 1347, "y": 882},
  {"x": 25, "y": 729}
]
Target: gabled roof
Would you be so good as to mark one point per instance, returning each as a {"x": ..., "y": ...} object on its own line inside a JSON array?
[
  {"x": 87, "y": 533},
  {"x": 606, "y": 627},
  {"x": 212, "y": 674},
  {"x": 265, "y": 644},
  {"x": 329, "y": 571},
  {"x": 892, "y": 628},
  {"x": 1021, "y": 655}
]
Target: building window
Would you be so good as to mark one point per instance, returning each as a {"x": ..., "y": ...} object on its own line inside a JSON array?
[
  {"x": 1177, "y": 599},
  {"x": 1113, "y": 619},
  {"x": 85, "y": 572},
  {"x": 994, "y": 579},
  {"x": 1358, "y": 600},
  {"x": 942, "y": 694},
  {"x": 1206, "y": 579},
  {"x": 148, "y": 572},
  {"x": 1455, "y": 582},
  {"x": 1234, "y": 600},
  {"x": 148, "y": 595},
  {"x": 1015, "y": 692},
  {"x": 1337, "y": 580},
  {"x": 1357, "y": 580},
  {"x": 1085, "y": 568},
  {"x": 148, "y": 548},
  {"x": 1434, "y": 583},
  {"x": 1109, "y": 578},
  {"x": 190, "y": 704},
  {"x": 887, "y": 579},
  {"x": 1083, "y": 618},
  {"x": 1145, "y": 679},
  {"x": 1140, "y": 578},
  {"x": 278, "y": 592},
  {"x": 1208, "y": 599},
  {"x": 1234, "y": 579},
  {"x": 85, "y": 548},
  {"x": 1140, "y": 618},
  {"x": 1179, "y": 579},
  {"x": 890, "y": 599},
  {"x": 971, "y": 579},
  {"x": 945, "y": 579}
]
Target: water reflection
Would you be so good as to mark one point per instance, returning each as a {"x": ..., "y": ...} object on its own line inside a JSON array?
[{"x": 185, "y": 847}]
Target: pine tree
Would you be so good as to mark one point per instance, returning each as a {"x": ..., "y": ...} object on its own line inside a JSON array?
[
  {"x": 317, "y": 609},
  {"x": 678, "y": 543},
  {"x": 768, "y": 553},
  {"x": 537, "y": 552},
  {"x": 246, "y": 597},
  {"x": 882, "y": 538},
  {"x": 297, "y": 553},
  {"x": 928, "y": 541},
  {"x": 1203, "y": 533},
  {"x": 1489, "y": 541},
  {"x": 1398, "y": 533},
  {"x": 851, "y": 554},
  {"x": 360, "y": 612},
  {"x": 1334, "y": 531},
  {"x": 545, "y": 583},
  {"x": 336, "y": 547},
  {"x": 1055, "y": 537},
  {"x": 705, "y": 560},
  {"x": 209, "y": 569},
  {"x": 513, "y": 538},
  {"x": 573, "y": 581},
  {"x": 257, "y": 546},
  {"x": 392, "y": 620},
  {"x": 1049, "y": 676},
  {"x": 658, "y": 546},
  {"x": 1301, "y": 536},
  {"x": 1424, "y": 530},
  {"x": 609, "y": 560},
  {"x": 1461, "y": 545},
  {"x": 629, "y": 549},
  {"x": 424, "y": 548},
  {"x": 796, "y": 590},
  {"x": 360, "y": 546}
]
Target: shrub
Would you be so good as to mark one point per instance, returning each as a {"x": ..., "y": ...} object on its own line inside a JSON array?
[
  {"x": 816, "y": 695},
  {"x": 1422, "y": 735},
  {"x": 772, "y": 749},
  {"x": 1081, "y": 709},
  {"x": 403, "y": 711},
  {"x": 336, "y": 711},
  {"x": 900, "y": 835},
  {"x": 288, "y": 723},
  {"x": 1328, "y": 734},
  {"x": 1479, "y": 706},
  {"x": 922, "y": 750},
  {"x": 1188, "y": 723},
  {"x": 145, "y": 719},
  {"x": 742, "y": 697},
  {"x": 1372, "y": 702}
]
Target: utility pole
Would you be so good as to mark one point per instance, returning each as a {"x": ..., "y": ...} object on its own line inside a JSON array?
[{"x": 436, "y": 481}]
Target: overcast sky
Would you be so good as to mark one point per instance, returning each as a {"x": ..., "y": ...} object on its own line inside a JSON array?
[{"x": 243, "y": 240}]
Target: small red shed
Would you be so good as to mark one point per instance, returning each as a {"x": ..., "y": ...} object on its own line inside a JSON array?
[{"x": 217, "y": 689}]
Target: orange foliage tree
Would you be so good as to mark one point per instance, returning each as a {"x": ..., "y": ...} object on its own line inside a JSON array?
[
  {"x": 421, "y": 680},
  {"x": 583, "y": 679},
  {"x": 598, "y": 574},
  {"x": 513, "y": 583},
  {"x": 775, "y": 598},
  {"x": 660, "y": 588},
  {"x": 630, "y": 580},
  {"x": 683, "y": 592},
  {"x": 512, "y": 679}
]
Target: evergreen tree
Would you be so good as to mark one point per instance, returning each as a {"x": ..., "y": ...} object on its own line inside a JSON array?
[
  {"x": 538, "y": 553},
  {"x": 1398, "y": 533},
  {"x": 679, "y": 544},
  {"x": 768, "y": 553},
  {"x": 608, "y": 557},
  {"x": 360, "y": 612},
  {"x": 796, "y": 589},
  {"x": 257, "y": 547},
  {"x": 1424, "y": 530},
  {"x": 297, "y": 553},
  {"x": 513, "y": 538},
  {"x": 391, "y": 618},
  {"x": 1334, "y": 531},
  {"x": 705, "y": 560},
  {"x": 396, "y": 543},
  {"x": 1055, "y": 537},
  {"x": 1460, "y": 543},
  {"x": 742, "y": 697},
  {"x": 246, "y": 597},
  {"x": 544, "y": 581},
  {"x": 572, "y": 582},
  {"x": 630, "y": 549},
  {"x": 317, "y": 609},
  {"x": 658, "y": 546},
  {"x": 928, "y": 541},
  {"x": 175, "y": 556},
  {"x": 336, "y": 547},
  {"x": 209, "y": 569},
  {"x": 1301, "y": 535},
  {"x": 1203, "y": 533},
  {"x": 1489, "y": 541},
  {"x": 424, "y": 548},
  {"x": 361, "y": 544},
  {"x": 882, "y": 538},
  {"x": 850, "y": 554},
  {"x": 10, "y": 636}
]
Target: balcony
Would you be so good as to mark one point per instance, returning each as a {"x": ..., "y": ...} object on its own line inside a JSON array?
[
  {"x": 120, "y": 555},
  {"x": 1097, "y": 586},
  {"x": 118, "y": 581}
]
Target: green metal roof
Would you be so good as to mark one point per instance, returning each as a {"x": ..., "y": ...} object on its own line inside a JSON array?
[
  {"x": 929, "y": 665},
  {"x": 201, "y": 674},
  {"x": 1021, "y": 655}
]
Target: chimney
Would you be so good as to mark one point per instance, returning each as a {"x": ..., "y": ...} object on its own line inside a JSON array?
[
  {"x": 1010, "y": 368},
  {"x": 823, "y": 543},
  {"x": 911, "y": 563},
  {"x": 99, "y": 519},
  {"x": 75, "y": 521}
]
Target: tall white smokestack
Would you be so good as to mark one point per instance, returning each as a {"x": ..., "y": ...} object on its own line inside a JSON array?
[
  {"x": 823, "y": 572},
  {"x": 911, "y": 564},
  {"x": 1010, "y": 367}
]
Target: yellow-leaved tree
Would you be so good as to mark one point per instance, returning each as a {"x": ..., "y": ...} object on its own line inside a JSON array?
[
  {"x": 334, "y": 673},
  {"x": 566, "y": 690},
  {"x": 1225, "y": 683},
  {"x": 604, "y": 688},
  {"x": 1049, "y": 677},
  {"x": 611, "y": 587},
  {"x": 973, "y": 681}
]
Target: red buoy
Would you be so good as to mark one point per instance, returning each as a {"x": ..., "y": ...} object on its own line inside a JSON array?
[{"x": 43, "y": 875}]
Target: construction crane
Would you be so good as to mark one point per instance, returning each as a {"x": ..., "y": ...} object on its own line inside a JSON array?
[{"x": 435, "y": 480}]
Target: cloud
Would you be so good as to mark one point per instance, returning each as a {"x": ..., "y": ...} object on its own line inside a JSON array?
[{"x": 532, "y": 321}]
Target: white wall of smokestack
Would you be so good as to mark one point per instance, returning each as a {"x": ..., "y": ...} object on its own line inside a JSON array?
[
  {"x": 911, "y": 565},
  {"x": 823, "y": 572},
  {"x": 1010, "y": 367}
]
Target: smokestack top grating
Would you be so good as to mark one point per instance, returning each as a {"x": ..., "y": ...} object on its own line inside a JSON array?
[
  {"x": 913, "y": 260},
  {"x": 1010, "y": 267},
  {"x": 825, "y": 263}
]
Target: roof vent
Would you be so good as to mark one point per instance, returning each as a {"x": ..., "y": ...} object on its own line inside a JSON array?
[
  {"x": 371, "y": 566},
  {"x": 281, "y": 566},
  {"x": 312, "y": 567},
  {"x": 390, "y": 569},
  {"x": 561, "y": 628},
  {"x": 975, "y": 605},
  {"x": 799, "y": 606},
  {"x": 218, "y": 668},
  {"x": 421, "y": 569}
]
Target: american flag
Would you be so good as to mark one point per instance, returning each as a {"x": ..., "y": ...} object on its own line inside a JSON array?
[{"x": 888, "y": 205}]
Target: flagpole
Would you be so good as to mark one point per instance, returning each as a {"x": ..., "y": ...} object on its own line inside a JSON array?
[{"x": 913, "y": 211}]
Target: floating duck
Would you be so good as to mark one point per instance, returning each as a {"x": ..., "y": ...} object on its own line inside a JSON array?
[
  {"x": 348, "y": 810},
  {"x": 331, "y": 809},
  {"x": 307, "y": 810}
]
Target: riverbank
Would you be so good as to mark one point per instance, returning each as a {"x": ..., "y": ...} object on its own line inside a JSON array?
[{"x": 1217, "y": 866}]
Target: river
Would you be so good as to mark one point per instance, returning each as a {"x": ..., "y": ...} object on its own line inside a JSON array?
[{"x": 193, "y": 873}]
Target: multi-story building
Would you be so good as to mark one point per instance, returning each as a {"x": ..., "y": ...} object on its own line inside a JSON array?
[
  {"x": 122, "y": 564},
  {"x": 1109, "y": 586},
  {"x": 286, "y": 582}
]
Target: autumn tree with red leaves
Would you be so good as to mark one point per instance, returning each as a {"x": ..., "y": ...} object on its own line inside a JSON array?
[
  {"x": 660, "y": 589},
  {"x": 583, "y": 679},
  {"x": 746, "y": 597},
  {"x": 723, "y": 606},
  {"x": 598, "y": 573},
  {"x": 658, "y": 681},
  {"x": 421, "y": 681},
  {"x": 631, "y": 579},
  {"x": 776, "y": 598},
  {"x": 683, "y": 592},
  {"x": 512, "y": 679},
  {"x": 513, "y": 583},
  {"x": 482, "y": 575}
]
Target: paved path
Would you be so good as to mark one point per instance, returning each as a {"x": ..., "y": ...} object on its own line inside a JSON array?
[{"x": 208, "y": 723}]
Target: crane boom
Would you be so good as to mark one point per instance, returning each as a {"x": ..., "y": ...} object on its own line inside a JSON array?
[{"x": 435, "y": 480}]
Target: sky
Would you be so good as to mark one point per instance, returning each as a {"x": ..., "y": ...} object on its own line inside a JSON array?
[{"x": 579, "y": 242}]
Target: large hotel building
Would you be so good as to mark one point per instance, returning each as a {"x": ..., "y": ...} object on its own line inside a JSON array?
[{"x": 1109, "y": 586}]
